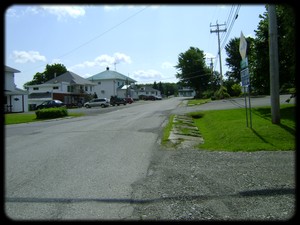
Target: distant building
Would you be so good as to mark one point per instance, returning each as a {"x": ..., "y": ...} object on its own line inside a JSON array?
[
  {"x": 15, "y": 99},
  {"x": 148, "y": 91},
  {"x": 69, "y": 87},
  {"x": 186, "y": 92},
  {"x": 111, "y": 83}
]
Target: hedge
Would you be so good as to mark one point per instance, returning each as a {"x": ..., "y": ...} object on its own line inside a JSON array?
[{"x": 51, "y": 113}]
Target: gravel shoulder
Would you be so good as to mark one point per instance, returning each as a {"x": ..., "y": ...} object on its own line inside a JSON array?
[{"x": 188, "y": 184}]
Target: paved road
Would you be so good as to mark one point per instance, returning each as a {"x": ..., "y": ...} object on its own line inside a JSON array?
[{"x": 111, "y": 166}]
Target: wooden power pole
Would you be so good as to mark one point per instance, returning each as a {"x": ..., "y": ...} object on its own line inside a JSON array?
[
  {"x": 274, "y": 68},
  {"x": 218, "y": 32}
]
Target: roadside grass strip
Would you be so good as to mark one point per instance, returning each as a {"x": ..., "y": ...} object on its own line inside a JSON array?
[
  {"x": 226, "y": 130},
  {"x": 16, "y": 118},
  {"x": 194, "y": 102}
]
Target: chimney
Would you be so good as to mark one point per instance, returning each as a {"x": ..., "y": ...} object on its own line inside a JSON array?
[{"x": 107, "y": 68}]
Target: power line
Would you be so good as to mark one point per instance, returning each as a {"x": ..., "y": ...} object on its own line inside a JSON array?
[{"x": 96, "y": 37}]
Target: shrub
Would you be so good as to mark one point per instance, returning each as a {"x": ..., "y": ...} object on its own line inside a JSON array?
[
  {"x": 51, "y": 113},
  {"x": 221, "y": 93},
  {"x": 236, "y": 89}
]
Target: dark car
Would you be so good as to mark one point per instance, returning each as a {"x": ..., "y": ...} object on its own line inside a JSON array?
[
  {"x": 129, "y": 100},
  {"x": 117, "y": 101},
  {"x": 51, "y": 104}
]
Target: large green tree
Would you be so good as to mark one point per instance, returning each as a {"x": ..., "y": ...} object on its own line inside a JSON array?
[
  {"x": 260, "y": 79},
  {"x": 49, "y": 73},
  {"x": 193, "y": 71}
]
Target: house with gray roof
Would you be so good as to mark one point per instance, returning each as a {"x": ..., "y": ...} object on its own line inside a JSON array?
[
  {"x": 15, "y": 99},
  {"x": 111, "y": 83},
  {"x": 69, "y": 87}
]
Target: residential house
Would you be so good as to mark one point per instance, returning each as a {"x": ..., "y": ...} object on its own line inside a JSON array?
[
  {"x": 111, "y": 83},
  {"x": 186, "y": 92},
  {"x": 15, "y": 99},
  {"x": 148, "y": 91},
  {"x": 69, "y": 87}
]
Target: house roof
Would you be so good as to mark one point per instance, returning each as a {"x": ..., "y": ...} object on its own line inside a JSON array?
[
  {"x": 70, "y": 77},
  {"x": 147, "y": 88},
  {"x": 16, "y": 91},
  {"x": 10, "y": 69},
  {"x": 111, "y": 75}
]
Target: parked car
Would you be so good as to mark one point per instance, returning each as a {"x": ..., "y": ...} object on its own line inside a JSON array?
[
  {"x": 150, "y": 97},
  {"x": 129, "y": 100},
  {"x": 158, "y": 97},
  {"x": 117, "y": 101},
  {"x": 103, "y": 102},
  {"x": 51, "y": 104}
]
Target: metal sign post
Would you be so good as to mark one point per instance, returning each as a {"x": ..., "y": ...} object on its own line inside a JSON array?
[{"x": 245, "y": 77}]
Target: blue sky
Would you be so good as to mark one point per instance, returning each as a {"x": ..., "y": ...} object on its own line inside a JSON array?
[{"x": 139, "y": 41}]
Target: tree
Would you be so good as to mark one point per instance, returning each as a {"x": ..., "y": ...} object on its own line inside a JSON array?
[
  {"x": 193, "y": 70},
  {"x": 48, "y": 74},
  {"x": 260, "y": 78}
]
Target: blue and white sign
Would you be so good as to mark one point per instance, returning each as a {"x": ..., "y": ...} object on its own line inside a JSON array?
[{"x": 245, "y": 78}]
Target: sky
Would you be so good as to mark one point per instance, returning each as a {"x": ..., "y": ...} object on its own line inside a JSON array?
[{"x": 139, "y": 41}]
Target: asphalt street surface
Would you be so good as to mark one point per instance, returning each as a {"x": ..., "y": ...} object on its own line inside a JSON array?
[{"x": 109, "y": 165}]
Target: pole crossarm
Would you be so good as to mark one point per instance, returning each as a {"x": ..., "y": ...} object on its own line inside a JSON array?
[{"x": 218, "y": 30}]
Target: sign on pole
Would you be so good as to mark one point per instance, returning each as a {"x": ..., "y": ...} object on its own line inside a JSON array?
[
  {"x": 243, "y": 46},
  {"x": 245, "y": 77}
]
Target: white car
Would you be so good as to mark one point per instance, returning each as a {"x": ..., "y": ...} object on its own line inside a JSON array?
[{"x": 103, "y": 102}]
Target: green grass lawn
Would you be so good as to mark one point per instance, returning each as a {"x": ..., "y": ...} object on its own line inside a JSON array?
[
  {"x": 15, "y": 118},
  {"x": 193, "y": 102},
  {"x": 227, "y": 130}
]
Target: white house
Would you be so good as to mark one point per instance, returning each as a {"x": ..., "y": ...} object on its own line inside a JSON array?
[
  {"x": 110, "y": 83},
  {"x": 148, "y": 91},
  {"x": 186, "y": 92},
  {"x": 69, "y": 87},
  {"x": 15, "y": 99}
]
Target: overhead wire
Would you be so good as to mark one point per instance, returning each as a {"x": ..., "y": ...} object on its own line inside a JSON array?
[{"x": 96, "y": 37}]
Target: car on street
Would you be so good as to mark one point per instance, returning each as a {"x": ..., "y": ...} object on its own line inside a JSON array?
[
  {"x": 103, "y": 102},
  {"x": 117, "y": 101},
  {"x": 129, "y": 100},
  {"x": 50, "y": 104}
]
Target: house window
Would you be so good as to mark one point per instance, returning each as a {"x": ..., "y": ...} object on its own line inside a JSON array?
[
  {"x": 86, "y": 88},
  {"x": 35, "y": 88},
  {"x": 91, "y": 89},
  {"x": 99, "y": 82},
  {"x": 55, "y": 88},
  {"x": 70, "y": 88}
]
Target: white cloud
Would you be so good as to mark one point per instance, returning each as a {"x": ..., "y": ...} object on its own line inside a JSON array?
[
  {"x": 209, "y": 55},
  {"x": 121, "y": 58},
  {"x": 30, "y": 56},
  {"x": 105, "y": 60},
  {"x": 65, "y": 10},
  {"x": 147, "y": 75}
]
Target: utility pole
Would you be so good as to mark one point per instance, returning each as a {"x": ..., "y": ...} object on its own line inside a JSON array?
[
  {"x": 218, "y": 31},
  {"x": 274, "y": 70}
]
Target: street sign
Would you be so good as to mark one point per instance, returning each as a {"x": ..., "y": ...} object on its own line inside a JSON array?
[
  {"x": 244, "y": 63},
  {"x": 243, "y": 46},
  {"x": 245, "y": 78}
]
